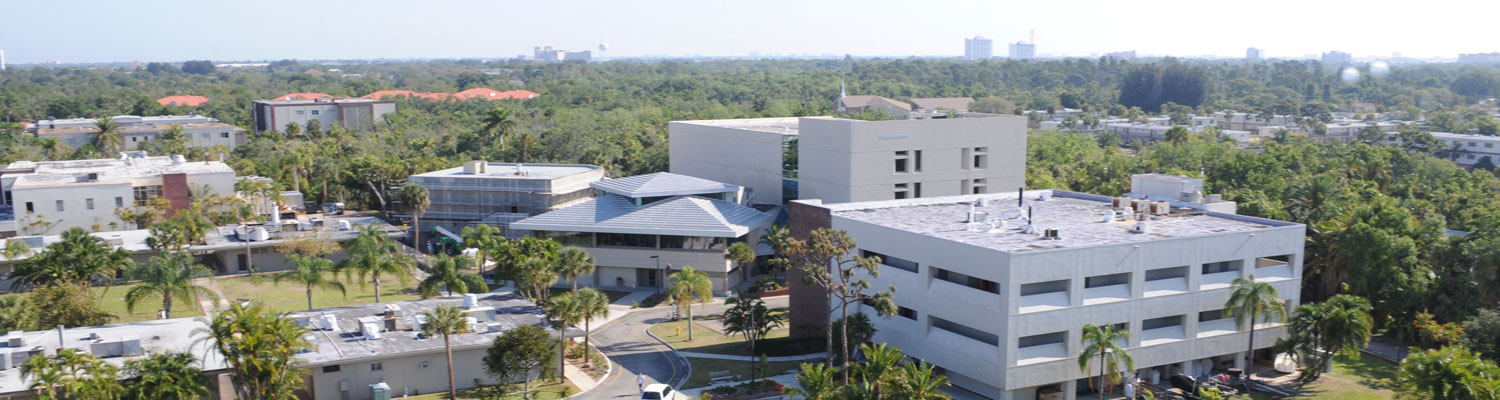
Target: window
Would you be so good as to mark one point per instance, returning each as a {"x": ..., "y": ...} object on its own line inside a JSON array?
[
  {"x": 1166, "y": 273},
  {"x": 224, "y": 134},
  {"x": 59, "y": 205},
  {"x": 897, "y": 263},
  {"x": 916, "y": 190},
  {"x": 692, "y": 242},
  {"x": 1163, "y": 322},
  {"x": 971, "y": 282},
  {"x": 1210, "y": 315},
  {"x": 204, "y": 135},
  {"x": 1472, "y": 144},
  {"x": 901, "y": 160},
  {"x": 377, "y": 367},
  {"x": 1489, "y": 145},
  {"x": 627, "y": 240},
  {"x": 918, "y": 159},
  {"x": 119, "y": 202},
  {"x": 1032, "y": 289},
  {"x": 1042, "y": 340},
  {"x": 327, "y": 369},
  {"x": 981, "y": 157},
  {"x": 907, "y": 313},
  {"x": 29, "y": 208},
  {"x": 144, "y": 194},
  {"x": 582, "y": 239},
  {"x": 314, "y": 112},
  {"x": 299, "y": 113},
  {"x": 88, "y": 203},
  {"x": 1106, "y": 280},
  {"x": 965, "y": 331},
  {"x": 901, "y": 191},
  {"x": 980, "y": 186},
  {"x": 1471, "y": 156},
  {"x": 133, "y": 139},
  {"x": 1222, "y": 266}
]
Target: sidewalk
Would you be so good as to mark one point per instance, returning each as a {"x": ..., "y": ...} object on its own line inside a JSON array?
[{"x": 579, "y": 378}]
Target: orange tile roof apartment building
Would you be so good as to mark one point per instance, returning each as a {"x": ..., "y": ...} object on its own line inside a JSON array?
[{"x": 182, "y": 101}]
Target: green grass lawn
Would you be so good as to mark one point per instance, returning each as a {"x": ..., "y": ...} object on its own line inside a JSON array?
[
  {"x": 702, "y": 367},
  {"x": 112, "y": 300},
  {"x": 1366, "y": 378},
  {"x": 706, "y": 340},
  {"x": 614, "y": 295},
  {"x": 289, "y": 296},
  {"x": 547, "y": 392}
]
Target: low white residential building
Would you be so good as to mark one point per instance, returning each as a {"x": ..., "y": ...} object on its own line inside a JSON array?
[
  {"x": 200, "y": 131},
  {"x": 643, "y": 228},
  {"x": 47, "y": 197},
  {"x": 996, "y": 288},
  {"x": 353, "y": 114},
  {"x": 1464, "y": 149}
]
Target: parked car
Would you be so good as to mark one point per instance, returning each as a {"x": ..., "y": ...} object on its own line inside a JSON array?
[{"x": 657, "y": 391}]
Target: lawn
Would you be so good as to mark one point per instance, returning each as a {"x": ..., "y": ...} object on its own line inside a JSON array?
[
  {"x": 289, "y": 296},
  {"x": 704, "y": 366},
  {"x": 614, "y": 295},
  {"x": 705, "y": 340},
  {"x": 1366, "y": 378},
  {"x": 112, "y": 300},
  {"x": 546, "y": 392}
]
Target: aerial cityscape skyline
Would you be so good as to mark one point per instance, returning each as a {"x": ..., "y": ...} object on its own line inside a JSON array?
[{"x": 647, "y": 31}]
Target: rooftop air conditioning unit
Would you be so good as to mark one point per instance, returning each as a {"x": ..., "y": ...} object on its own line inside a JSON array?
[
  {"x": 1141, "y": 205},
  {"x": 1120, "y": 202},
  {"x": 1051, "y": 234},
  {"x": 1140, "y": 227},
  {"x": 329, "y": 322},
  {"x": 1161, "y": 208},
  {"x": 471, "y": 300}
]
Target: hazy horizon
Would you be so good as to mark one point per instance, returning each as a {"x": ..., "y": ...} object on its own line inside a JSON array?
[{"x": 89, "y": 31}]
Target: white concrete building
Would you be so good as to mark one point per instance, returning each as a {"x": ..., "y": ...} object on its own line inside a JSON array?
[
  {"x": 1253, "y": 54},
  {"x": 200, "y": 131},
  {"x": 1022, "y": 51},
  {"x": 978, "y": 48},
  {"x": 843, "y": 160},
  {"x": 1463, "y": 149},
  {"x": 1001, "y": 309},
  {"x": 48, "y": 197},
  {"x": 1152, "y": 132},
  {"x": 645, "y": 227},
  {"x": 351, "y": 113},
  {"x": 481, "y": 192}
]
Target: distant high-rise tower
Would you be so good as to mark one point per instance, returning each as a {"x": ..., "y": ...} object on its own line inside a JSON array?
[
  {"x": 1252, "y": 54},
  {"x": 1336, "y": 59},
  {"x": 2, "y": 60},
  {"x": 1022, "y": 51},
  {"x": 978, "y": 48}
]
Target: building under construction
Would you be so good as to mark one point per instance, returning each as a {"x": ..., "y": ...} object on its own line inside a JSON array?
[{"x": 497, "y": 194}]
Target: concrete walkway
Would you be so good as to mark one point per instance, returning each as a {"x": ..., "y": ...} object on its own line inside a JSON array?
[
  {"x": 804, "y": 357},
  {"x": 579, "y": 378}
]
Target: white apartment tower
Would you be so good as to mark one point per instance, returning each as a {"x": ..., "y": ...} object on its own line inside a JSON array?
[
  {"x": 978, "y": 48},
  {"x": 1022, "y": 51},
  {"x": 2, "y": 60},
  {"x": 1253, "y": 54},
  {"x": 996, "y": 288}
]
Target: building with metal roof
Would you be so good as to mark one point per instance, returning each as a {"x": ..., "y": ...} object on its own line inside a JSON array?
[{"x": 497, "y": 194}]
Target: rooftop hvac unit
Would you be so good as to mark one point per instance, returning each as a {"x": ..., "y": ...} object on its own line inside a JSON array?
[
  {"x": 1141, "y": 205},
  {"x": 329, "y": 322},
  {"x": 1120, "y": 202},
  {"x": 1140, "y": 227},
  {"x": 1107, "y": 216},
  {"x": 1161, "y": 208},
  {"x": 345, "y": 225},
  {"x": 380, "y": 391},
  {"x": 1051, "y": 234},
  {"x": 417, "y": 321},
  {"x": 5, "y": 362},
  {"x": 259, "y": 234},
  {"x": 471, "y": 300},
  {"x": 15, "y": 339},
  {"x": 370, "y": 331}
]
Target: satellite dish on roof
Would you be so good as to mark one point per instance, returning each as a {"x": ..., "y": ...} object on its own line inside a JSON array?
[{"x": 603, "y": 46}]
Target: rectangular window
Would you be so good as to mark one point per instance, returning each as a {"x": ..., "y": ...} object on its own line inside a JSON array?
[
  {"x": 907, "y": 313},
  {"x": 691, "y": 242},
  {"x": 1042, "y": 339},
  {"x": 901, "y": 191},
  {"x": 1163, "y": 322},
  {"x": 965, "y": 331},
  {"x": 60, "y": 206},
  {"x": 901, "y": 160},
  {"x": 627, "y": 240},
  {"x": 29, "y": 208},
  {"x": 981, "y": 157},
  {"x": 1056, "y": 286},
  {"x": 918, "y": 159},
  {"x": 204, "y": 135},
  {"x": 88, "y": 203},
  {"x": 1222, "y": 266},
  {"x": 916, "y": 190},
  {"x": 224, "y": 134},
  {"x": 897, "y": 263},
  {"x": 314, "y": 112},
  {"x": 1106, "y": 280},
  {"x": 299, "y": 113},
  {"x": 377, "y": 367},
  {"x": 962, "y": 279},
  {"x": 144, "y": 194},
  {"x": 1166, "y": 273},
  {"x": 330, "y": 369},
  {"x": 980, "y": 186},
  {"x": 119, "y": 202},
  {"x": 1210, "y": 315}
]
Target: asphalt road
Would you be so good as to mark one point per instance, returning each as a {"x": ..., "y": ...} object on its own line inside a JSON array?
[{"x": 633, "y": 352}]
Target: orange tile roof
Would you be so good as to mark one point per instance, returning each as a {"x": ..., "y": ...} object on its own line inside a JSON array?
[
  {"x": 378, "y": 94},
  {"x": 521, "y": 94},
  {"x": 475, "y": 93},
  {"x": 482, "y": 93},
  {"x": 181, "y": 100},
  {"x": 303, "y": 96}
]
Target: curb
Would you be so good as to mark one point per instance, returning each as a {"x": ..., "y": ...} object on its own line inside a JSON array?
[
  {"x": 679, "y": 355},
  {"x": 609, "y": 369}
]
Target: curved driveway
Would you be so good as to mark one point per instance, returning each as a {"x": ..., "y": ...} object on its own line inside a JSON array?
[{"x": 632, "y": 351}]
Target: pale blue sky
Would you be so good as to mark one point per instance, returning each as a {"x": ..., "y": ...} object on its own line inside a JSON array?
[{"x": 174, "y": 30}]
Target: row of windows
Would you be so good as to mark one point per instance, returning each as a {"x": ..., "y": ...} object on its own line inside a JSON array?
[
  {"x": 914, "y": 190},
  {"x": 88, "y": 204},
  {"x": 589, "y": 239},
  {"x": 909, "y": 161},
  {"x": 328, "y": 369}
]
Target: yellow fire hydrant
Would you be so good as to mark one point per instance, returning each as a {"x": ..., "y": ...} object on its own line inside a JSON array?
[{"x": 679, "y": 331}]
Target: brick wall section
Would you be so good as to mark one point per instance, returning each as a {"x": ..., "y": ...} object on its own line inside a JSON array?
[
  {"x": 175, "y": 188},
  {"x": 808, "y": 304}
]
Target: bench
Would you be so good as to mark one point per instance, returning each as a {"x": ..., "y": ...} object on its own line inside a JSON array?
[{"x": 721, "y": 377}]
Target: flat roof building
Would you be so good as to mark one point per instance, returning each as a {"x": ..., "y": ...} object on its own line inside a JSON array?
[
  {"x": 350, "y": 113},
  {"x": 481, "y": 192},
  {"x": 978, "y": 48},
  {"x": 643, "y": 228},
  {"x": 843, "y": 160},
  {"x": 199, "y": 131},
  {"x": 47, "y": 197},
  {"x": 995, "y": 288}
]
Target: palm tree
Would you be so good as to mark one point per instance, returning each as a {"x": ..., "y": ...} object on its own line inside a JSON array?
[
  {"x": 292, "y": 130},
  {"x": 373, "y": 254},
  {"x": 498, "y": 123},
  {"x": 56, "y": 150},
  {"x": 572, "y": 263},
  {"x": 1250, "y": 300},
  {"x": 485, "y": 238},
  {"x": 1449, "y": 373},
  {"x": 689, "y": 285},
  {"x": 446, "y": 273},
  {"x": 168, "y": 275},
  {"x": 168, "y": 376},
  {"x": 14, "y": 249},
  {"x": 415, "y": 197},
  {"x": 1102, "y": 344},
  {"x": 591, "y": 304},
  {"x": 564, "y": 311},
  {"x": 748, "y": 316},
  {"x": 446, "y": 321},
  {"x": 77, "y": 258},
  {"x": 1178, "y": 136},
  {"x": 177, "y": 141},
  {"x": 920, "y": 381},
  {"x": 880, "y": 367},
  {"x": 311, "y": 272},
  {"x": 742, "y": 256},
  {"x": 260, "y": 348},
  {"x": 816, "y": 381},
  {"x": 108, "y": 139}
]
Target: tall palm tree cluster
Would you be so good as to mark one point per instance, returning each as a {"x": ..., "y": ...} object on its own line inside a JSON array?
[{"x": 884, "y": 374}]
